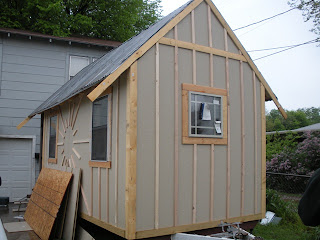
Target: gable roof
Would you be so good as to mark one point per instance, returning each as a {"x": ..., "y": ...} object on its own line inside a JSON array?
[
  {"x": 109, "y": 67},
  {"x": 81, "y": 40}
]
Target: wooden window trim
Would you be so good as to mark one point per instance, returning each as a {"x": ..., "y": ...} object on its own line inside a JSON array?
[
  {"x": 50, "y": 115},
  {"x": 185, "y": 115},
  {"x": 101, "y": 164}
]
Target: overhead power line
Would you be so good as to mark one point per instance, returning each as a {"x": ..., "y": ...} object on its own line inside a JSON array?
[
  {"x": 264, "y": 19},
  {"x": 287, "y": 48}
]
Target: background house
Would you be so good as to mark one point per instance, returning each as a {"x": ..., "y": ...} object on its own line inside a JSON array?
[{"x": 32, "y": 67}]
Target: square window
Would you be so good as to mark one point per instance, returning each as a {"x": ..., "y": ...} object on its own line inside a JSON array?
[
  {"x": 204, "y": 115},
  {"x": 76, "y": 64}
]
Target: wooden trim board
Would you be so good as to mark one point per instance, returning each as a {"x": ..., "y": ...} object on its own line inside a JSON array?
[
  {"x": 201, "y": 48},
  {"x": 101, "y": 164},
  {"x": 116, "y": 230},
  {"x": 193, "y": 227},
  {"x": 263, "y": 151},
  {"x": 131, "y": 153}
]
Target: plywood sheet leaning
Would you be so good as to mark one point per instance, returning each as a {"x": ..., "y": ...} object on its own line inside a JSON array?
[
  {"x": 68, "y": 223},
  {"x": 45, "y": 200}
]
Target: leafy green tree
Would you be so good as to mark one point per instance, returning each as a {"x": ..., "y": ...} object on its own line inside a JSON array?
[
  {"x": 310, "y": 11},
  {"x": 296, "y": 119},
  {"x": 113, "y": 19}
]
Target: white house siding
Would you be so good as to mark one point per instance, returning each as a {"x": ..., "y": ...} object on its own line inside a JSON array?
[{"x": 30, "y": 71}]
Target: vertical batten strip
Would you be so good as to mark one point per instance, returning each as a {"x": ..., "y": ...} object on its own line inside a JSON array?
[
  {"x": 107, "y": 195},
  {"x": 229, "y": 125},
  {"x": 157, "y": 163},
  {"x": 99, "y": 193},
  {"x": 116, "y": 160},
  {"x": 194, "y": 81},
  {"x": 242, "y": 139},
  {"x": 131, "y": 153},
  {"x": 212, "y": 145},
  {"x": 176, "y": 129},
  {"x": 263, "y": 151},
  {"x": 91, "y": 192},
  {"x": 255, "y": 143}
]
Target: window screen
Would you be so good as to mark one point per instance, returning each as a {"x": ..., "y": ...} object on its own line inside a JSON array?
[
  {"x": 205, "y": 115},
  {"x": 100, "y": 129},
  {"x": 53, "y": 136},
  {"x": 77, "y": 64}
]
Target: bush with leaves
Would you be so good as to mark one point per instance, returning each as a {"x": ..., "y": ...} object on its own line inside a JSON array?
[{"x": 304, "y": 159}]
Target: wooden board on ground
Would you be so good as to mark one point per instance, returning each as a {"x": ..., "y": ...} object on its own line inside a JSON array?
[
  {"x": 45, "y": 200},
  {"x": 70, "y": 217},
  {"x": 13, "y": 227}
]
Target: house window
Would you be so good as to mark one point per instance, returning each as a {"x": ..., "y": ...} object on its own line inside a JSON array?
[
  {"x": 204, "y": 115},
  {"x": 53, "y": 138},
  {"x": 100, "y": 129},
  {"x": 77, "y": 63}
]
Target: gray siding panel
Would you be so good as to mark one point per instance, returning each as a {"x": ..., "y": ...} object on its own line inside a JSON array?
[
  {"x": 235, "y": 139},
  {"x": 259, "y": 142},
  {"x": 185, "y": 151},
  {"x": 203, "y": 69},
  {"x": 249, "y": 140},
  {"x": 146, "y": 141},
  {"x": 166, "y": 191},
  {"x": 184, "y": 29},
  {"x": 219, "y": 72},
  {"x": 201, "y": 24}
]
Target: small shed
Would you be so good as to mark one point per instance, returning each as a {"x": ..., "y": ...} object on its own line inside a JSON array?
[{"x": 168, "y": 129}]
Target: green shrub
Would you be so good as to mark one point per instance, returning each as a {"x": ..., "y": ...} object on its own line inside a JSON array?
[{"x": 283, "y": 209}]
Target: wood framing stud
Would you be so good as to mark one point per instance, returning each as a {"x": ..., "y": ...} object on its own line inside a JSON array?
[
  {"x": 157, "y": 140},
  {"x": 24, "y": 122},
  {"x": 131, "y": 153},
  {"x": 255, "y": 143},
  {"x": 242, "y": 103},
  {"x": 116, "y": 160},
  {"x": 176, "y": 130},
  {"x": 263, "y": 151},
  {"x": 193, "y": 227},
  {"x": 201, "y": 48}
]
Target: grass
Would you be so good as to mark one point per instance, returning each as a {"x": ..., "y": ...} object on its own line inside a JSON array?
[{"x": 286, "y": 232}]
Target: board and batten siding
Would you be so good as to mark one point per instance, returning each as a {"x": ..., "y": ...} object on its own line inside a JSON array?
[
  {"x": 164, "y": 199},
  {"x": 102, "y": 191},
  {"x": 30, "y": 71}
]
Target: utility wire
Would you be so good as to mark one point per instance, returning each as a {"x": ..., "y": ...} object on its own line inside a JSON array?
[
  {"x": 274, "y": 48},
  {"x": 264, "y": 19},
  {"x": 294, "y": 46}
]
